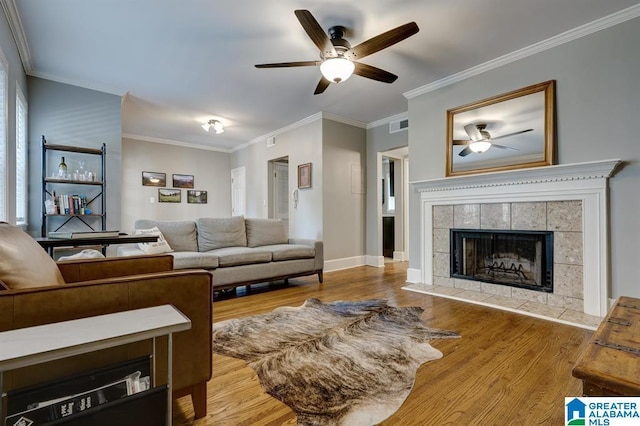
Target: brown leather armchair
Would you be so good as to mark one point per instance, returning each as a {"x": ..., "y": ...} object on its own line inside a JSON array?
[{"x": 35, "y": 290}]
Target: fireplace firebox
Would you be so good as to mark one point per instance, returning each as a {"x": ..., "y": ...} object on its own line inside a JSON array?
[{"x": 514, "y": 258}]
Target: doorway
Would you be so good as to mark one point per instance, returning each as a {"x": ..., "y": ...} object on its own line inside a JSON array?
[
  {"x": 279, "y": 189},
  {"x": 394, "y": 224}
]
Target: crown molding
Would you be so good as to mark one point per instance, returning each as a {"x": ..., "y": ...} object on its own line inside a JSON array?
[
  {"x": 315, "y": 117},
  {"x": 576, "y": 33},
  {"x": 15, "y": 24},
  {"x": 385, "y": 121},
  {"x": 175, "y": 143}
]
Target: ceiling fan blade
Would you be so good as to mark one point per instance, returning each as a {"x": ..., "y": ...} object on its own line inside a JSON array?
[
  {"x": 382, "y": 41},
  {"x": 473, "y": 132},
  {"x": 374, "y": 73},
  {"x": 316, "y": 33},
  {"x": 465, "y": 152},
  {"x": 504, "y": 147},
  {"x": 322, "y": 86},
  {"x": 290, "y": 64},
  {"x": 461, "y": 142},
  {"x": 511, "y": 134}
]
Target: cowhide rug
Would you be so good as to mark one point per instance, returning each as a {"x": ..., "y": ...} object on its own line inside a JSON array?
[{"x": 340, "y": 363}]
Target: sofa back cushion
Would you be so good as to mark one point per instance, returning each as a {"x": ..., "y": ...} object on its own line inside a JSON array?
[
  {"x": 23, "y": 262},
  {"x": 215, "y": 233},
  {"x": 180, "y": 235},
  {"x": 262, "y": 232}
]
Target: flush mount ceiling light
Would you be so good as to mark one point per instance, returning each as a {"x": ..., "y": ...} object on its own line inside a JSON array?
[{"x": 217, "y": 126}]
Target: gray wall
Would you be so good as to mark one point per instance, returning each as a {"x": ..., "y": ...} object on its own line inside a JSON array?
[
  {"x": 378, "y": 140},
  {"x": 301, "y": 145},
  {"x": 70, "y": 115},
  {"x": 210, "y": 169},
  {"x": 16, "y": 77},
  {"x": 343, "y": 178},
  {"x": 597, "y": 107}
]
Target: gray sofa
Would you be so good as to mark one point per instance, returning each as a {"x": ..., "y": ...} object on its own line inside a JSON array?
[{"x": 237, "y": 251}]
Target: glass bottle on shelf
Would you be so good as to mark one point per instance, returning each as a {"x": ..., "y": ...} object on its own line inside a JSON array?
[{"x": 62, "y": 169}]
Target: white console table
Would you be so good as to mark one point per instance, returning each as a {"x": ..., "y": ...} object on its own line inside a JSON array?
[{"x": 34, "y": 345}]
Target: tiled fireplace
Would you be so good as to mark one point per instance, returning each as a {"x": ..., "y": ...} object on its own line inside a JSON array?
[{"x": 569, "y": 201}]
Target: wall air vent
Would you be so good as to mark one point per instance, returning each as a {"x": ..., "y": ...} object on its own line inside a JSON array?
[
  {"x": 271, "y": 141},
  {"x": 398, "y": 125}
]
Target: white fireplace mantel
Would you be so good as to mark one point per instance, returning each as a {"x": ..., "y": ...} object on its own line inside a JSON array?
[{"x": 587, "y": 182}]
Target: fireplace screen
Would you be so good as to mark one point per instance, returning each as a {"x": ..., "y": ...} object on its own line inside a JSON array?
[{"x": 515, "y": 258}]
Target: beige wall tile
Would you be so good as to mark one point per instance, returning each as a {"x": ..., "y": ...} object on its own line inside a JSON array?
[
  {"x": 529, "y": 216},
  {"x": 466, "y": 216},
  {"x": 441, "y": 241},
  {"x": 442, "y": 282},
  {"x": 567, "y": 280},
  {"x": 564, "y": 216},
  {"x": 500, "y": 290},
  {"x": 443, "y": 217},
  {"x": 468, "y": 284},
  {"x": 441, "y": 266},
  {"x": 530, "y": 295},
  {"x": 495, "y": 216},
  {"x": 567, "y": 248}
]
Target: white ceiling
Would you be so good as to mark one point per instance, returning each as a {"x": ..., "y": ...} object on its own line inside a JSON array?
[{"x": 181, "y": 63}]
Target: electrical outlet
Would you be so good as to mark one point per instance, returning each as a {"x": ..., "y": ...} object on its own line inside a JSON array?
[{"x": 152, "y": 200}]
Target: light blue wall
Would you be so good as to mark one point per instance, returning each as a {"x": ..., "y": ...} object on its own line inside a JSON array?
[
  {"x": 597, "y": 115},
  {"x": 70, "y": 115}
]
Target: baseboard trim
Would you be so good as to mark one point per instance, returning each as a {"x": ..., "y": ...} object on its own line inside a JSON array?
[
  {"x": 400, "y": 256},
  {"x": 375, "y": 261},
  {"x": 414, "y": 275},
  {"x": 345, "y": 263}
]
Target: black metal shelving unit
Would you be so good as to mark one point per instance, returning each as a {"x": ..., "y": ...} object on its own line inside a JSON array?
[{"x": 94, "y": 221}]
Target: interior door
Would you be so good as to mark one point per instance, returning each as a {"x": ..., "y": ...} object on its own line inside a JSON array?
[
  {"x": 238, "y": 192},
  {"x": 281, "y": 190}
]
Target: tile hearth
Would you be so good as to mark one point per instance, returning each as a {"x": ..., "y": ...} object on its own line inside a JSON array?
[{"x": 522, "y": 306}]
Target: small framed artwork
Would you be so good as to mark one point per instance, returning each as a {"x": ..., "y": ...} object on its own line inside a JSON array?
[
  {"x": 196, "y": 197},
  {"x": 169, "y": 195},
  {"x": 154, "y": 179},
  {"x": 183, "y": 181},
  {"x": 304, "y": 176}
]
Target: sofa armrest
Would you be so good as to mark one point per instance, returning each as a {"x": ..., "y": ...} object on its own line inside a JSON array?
[
  {"x": 317, "y": 245},
  {"x": 78, "y": 270}
]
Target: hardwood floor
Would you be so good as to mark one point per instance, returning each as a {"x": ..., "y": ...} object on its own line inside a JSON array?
[{"x": 505, "y": 369}]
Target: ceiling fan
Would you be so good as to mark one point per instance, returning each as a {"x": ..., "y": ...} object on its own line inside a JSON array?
[
  {"x": 480, "y": 139},
  {"x": 337, "y": 57}
]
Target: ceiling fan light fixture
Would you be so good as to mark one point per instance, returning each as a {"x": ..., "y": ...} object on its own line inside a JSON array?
[
  {"x": 337, "y": 70},
  {"x": 479, "y": 146},
  {"x": 217, "y": 126}
]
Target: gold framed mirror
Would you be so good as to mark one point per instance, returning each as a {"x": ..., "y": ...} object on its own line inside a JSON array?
[{"x": 510, "y": 131}]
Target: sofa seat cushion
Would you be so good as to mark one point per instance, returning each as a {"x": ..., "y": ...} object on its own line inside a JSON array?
[
  {"x": 289, "y": 251},
  {"x": 234, "y": 256},
  {"x": 263, "y": 232},
  {"x": 215, "y": 233},
  {"x": 194, "y": 259},
  {"x": 181, "y": 235}
]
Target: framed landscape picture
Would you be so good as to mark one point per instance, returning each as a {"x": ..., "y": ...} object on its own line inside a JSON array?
[
  {"x": 169, "y": 195},
  {"x": 154, "y": 179},
  {"x": 196, "y": 197},
  {"x": 182, "y": 181}
]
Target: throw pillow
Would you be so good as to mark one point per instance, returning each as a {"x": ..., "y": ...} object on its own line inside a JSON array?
[
  {"x": 84, "y": 254},
  {"x": 160, "y": 246}
]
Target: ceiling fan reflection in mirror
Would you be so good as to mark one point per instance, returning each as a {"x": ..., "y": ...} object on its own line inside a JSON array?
[
  {"x": 338, "y": 60},
  {"x": 480, "y": 140}
]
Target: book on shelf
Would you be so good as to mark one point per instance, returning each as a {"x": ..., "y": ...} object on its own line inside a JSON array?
[{"x": 82, "y": 234}]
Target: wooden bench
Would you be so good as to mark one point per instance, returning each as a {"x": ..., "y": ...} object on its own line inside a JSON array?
[{"x": 610, "y": 365}]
